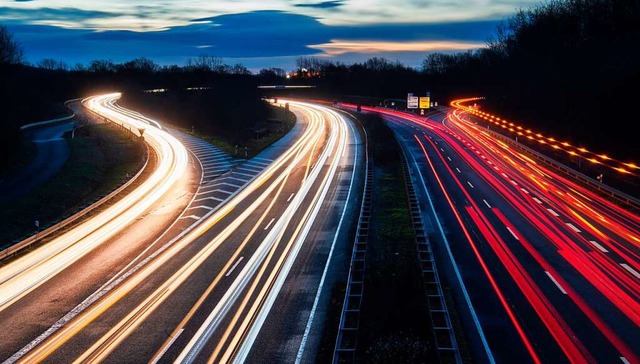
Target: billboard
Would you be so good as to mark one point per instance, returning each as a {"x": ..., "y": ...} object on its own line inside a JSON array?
[
  {"x": 412, "y": 102},
  {"x": 425, "y": 102}
]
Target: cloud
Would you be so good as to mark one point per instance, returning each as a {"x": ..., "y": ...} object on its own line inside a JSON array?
[
  {"x": 322, "y": 5},
  {"x": 339, "y": 47},
  {"x": 15, "y": 15},
  {"x": 253, "y": 38}
]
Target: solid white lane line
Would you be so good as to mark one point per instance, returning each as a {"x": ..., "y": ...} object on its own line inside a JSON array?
[
  {"x": 234, "y": 266},
  {"x": 164, "y": 350},
  {"x": 269, "y": 224},
  {"x": 631, "y": 270},
  {"x": 556, "y": 282}
]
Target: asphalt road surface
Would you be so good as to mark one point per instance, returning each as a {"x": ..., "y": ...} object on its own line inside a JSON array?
[
  {"x": 224, "y": 248},
  {"x": 52, "y": 151},
  {"x": 541, "y": 268}
]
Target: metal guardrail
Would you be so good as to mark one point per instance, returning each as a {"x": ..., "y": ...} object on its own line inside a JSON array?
[
  {"x": 26, "y": 243},
  {"x": 444, "y": 334},
  {"x": 345, "y": 348},
  {"x": 52, "y": 121},
  {"x": 617, "y": 195}
]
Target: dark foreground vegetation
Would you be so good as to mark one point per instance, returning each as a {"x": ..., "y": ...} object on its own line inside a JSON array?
[
  {"x": 565, "y": 68},
  {"x": 227, "y": 114},
  {"x": 101, "y": 159},
  {"x": 569, "y": 69}
]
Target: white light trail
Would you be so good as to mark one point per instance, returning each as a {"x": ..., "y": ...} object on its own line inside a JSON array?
[{"x": 30, "y": 271}]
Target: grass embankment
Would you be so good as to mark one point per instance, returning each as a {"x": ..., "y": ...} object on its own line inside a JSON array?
[
  {"x": 101, "y": 159},
  {"x": 280, "y": 123},
  {"x": 224, "y": 116},
  {"x": 394, "y": 324}
]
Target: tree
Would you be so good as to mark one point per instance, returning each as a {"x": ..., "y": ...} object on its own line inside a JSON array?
[
  {"x": 140, "y": 65},
  {"x": 273, "y": 72},
  {"x": 205, "y": 63},
  {"x": 102, "y": 66},
  {"x": 52, "y": 64},
  {"x": 10, "y": 50}
]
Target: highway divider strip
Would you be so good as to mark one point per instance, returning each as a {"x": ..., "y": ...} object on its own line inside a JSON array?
[
  {"x": 66, "y": 222},
  {"x": 345, "y": 348},
  {"x": 443, "y": 332}
]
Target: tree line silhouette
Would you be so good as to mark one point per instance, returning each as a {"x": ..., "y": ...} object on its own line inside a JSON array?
[{"x": 568, "y": 68}]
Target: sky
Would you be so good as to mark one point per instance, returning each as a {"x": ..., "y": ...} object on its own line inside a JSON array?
[{"x": 258, "y": 34}]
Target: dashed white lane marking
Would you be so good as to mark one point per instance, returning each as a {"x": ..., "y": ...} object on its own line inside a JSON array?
[
  {"x": 458, "y": 170},
  {"x": 600, "y": 247},
  {"x": 216, "y": 190},
  {"x": 624, "y": 360},
  {"x": 234, "y": 267},
  {"x": 512, "y": 233},
  {"x": 209, "y": 198},
  {"x": 536, "y": 200},
  {"x": 524, "y": 190},
  {"x": 195, "y": 217},
  {"x": 470, "y": 184},
  {"x": 449, "y": 159},
  {"x": 290, "y": 197},
  {"x": 201, "y": 207},
  {"x": 215, "y": 166},
  {"x": 504, "y": 175},
  {"x": 556, "y": 282},
  {"x": 237, "y": 179},
  {"x": 573, "y": 227},
  {"x": 553, "y": 212},
  {"x": 249, "y": 169},
  {"x": 243, "y": 174},
  {"x": 230, "y": 185},
  {"x": 630, "y": 270},
  {"x": 269, "y": 224},
  {"x": 486, "y": 203}
]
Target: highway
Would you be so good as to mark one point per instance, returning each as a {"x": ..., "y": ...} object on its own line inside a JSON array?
[
  {"x": 542, "y": 269},
  {"x": 203, "y": 292},
  {"x": 52, "y": 151}
]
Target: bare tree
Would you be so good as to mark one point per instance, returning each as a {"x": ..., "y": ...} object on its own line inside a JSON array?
[
  {"x": 10, "y": 50},
  {"x": 205, "y": 62},
  {"x": 52, "y": 64}
]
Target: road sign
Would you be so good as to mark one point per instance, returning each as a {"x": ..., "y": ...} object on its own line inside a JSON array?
[
  {"x": 425, "y": 102},
  {"x": 412, "y": 102}
]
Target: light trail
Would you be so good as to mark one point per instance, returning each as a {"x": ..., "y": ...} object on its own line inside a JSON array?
[
  {"x": 30, "y": 271},
  {"x": 596, "y": 158},
  {"x": 264, "y": 186},
  {"x": 594, "y": 236},
  {"x": 252, "y": 322}
]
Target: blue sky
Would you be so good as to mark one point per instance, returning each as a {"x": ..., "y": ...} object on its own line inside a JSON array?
[{"x": 269, "y": 33}]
